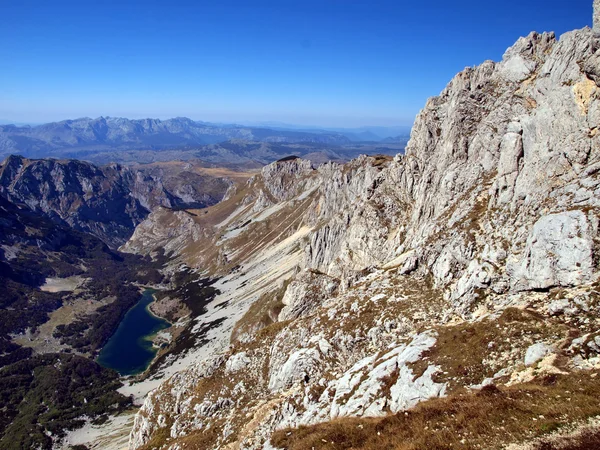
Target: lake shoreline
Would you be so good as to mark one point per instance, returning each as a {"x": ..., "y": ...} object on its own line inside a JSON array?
[{"x": 129, "y": 351}]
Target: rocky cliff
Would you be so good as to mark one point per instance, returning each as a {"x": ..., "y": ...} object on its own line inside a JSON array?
[
  {"x": 107, "y": 201},
  {"x": 472, "y": 260},
  {"x": 596, "y": 17}
]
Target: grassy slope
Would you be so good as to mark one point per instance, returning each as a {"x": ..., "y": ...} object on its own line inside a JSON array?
[{"x": 490, "y": 418}]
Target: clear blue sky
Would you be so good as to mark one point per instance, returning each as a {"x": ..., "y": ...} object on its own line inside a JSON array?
[{"x": 324, "y": 62}]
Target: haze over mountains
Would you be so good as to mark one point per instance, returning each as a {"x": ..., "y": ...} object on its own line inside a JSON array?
[{"x": 87, "y": 138}]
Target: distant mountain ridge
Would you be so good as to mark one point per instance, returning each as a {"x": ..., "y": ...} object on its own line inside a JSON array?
[
  {"x": 127, "y": 134},
  {"x": 357, "y": 134},
  {"x": 395, "y": 139}
]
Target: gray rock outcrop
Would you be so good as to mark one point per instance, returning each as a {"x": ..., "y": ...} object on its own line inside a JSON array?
[
  {"x": 559, "y": 252},
  {"x": 305, "y": 294},
  {"x": 597, "y": 17},
  {"x": 537, "y": 352}
]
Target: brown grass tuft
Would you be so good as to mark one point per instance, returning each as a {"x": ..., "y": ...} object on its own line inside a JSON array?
[
  {"x": 490, "y": 418},
  {"x": 461, "y": 350}
]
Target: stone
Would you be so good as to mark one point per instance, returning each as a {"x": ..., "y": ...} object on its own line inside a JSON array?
[
  {"x": 237, "y": 362},
  {"x": 562, "y": 306},
  {"x": 537, "y": 352},
  {"x": 299, "y": 366},
  {"x": 306, "y": 293},
  {"x": 359, "y": 391},
  {"x": 559, "y": 252}
]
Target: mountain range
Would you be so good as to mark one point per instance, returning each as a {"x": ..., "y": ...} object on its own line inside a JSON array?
[
  {"x": 110, "y": 139},
  {"x": 445, "y": 297},
  {"x": 442, "y": 298},
  {"x": 106, "y": 201}
]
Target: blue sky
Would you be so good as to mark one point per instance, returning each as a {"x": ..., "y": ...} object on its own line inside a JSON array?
[{"x": 317, "y": 62}]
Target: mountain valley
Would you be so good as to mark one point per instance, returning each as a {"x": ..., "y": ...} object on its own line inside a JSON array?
[
  {"x": 467, "y": 263},
  {"x": 108, "y": 201},
  {"x": 314, "y": 292}
]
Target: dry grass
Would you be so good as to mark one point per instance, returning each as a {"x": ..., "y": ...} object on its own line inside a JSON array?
[
  {"x": 159, "y": 437},
  {"x": 420, "y": 303},
  {"x": 489, "y": 418},
  {"x": 239, "y": 175},
  {"x": 461, "y": 350},
  {"x": 381, "y": 160},
  {"x": 206, "y": 389},
  {"x": 587, "y": 439},
  {"x": 74, "y": 307},
  {"x": 256, "y": 236}
]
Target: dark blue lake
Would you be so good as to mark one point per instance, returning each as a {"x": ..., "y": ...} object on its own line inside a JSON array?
[{"x": 129, "y": 351}]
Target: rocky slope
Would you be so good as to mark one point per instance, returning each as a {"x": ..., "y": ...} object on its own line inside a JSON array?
[
  {"x": 108, "y": 201},
  {"x": 471, "y": 260}
]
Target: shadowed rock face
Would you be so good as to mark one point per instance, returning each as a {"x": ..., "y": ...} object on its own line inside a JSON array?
[
  {"x": 108, "y": 202},
  {"x": 76, "y": 193}
]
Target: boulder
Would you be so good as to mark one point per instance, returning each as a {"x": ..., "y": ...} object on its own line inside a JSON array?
[
  {"x": 237, "y": 362},
  {"x": 559, "y": 252},
  {"x": 537, "y": 352}
]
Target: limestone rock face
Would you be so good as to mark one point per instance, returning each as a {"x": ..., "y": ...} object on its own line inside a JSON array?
[
  {"x": 155, "y": 404},
  {"x": 597, "y": 17},
  {"x": 487, "y": 159},
  {"x": 237, "y": 362},
  {"x": 559, "y": 252},
  {"x": 282, "y": 178},
  {"x": 363, "y": 383},
  {"x": 299, "y": 366},
  {"x": 305, "y": 294}
]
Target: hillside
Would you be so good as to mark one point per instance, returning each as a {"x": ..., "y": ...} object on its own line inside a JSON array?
[
  {"x": 64, "y": 293},
  {"x": 357, "y": 302},
  {"x": 107, "y": 201}
]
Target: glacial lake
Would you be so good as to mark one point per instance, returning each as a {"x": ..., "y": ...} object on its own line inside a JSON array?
[{"x": 129, "y": 351}]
